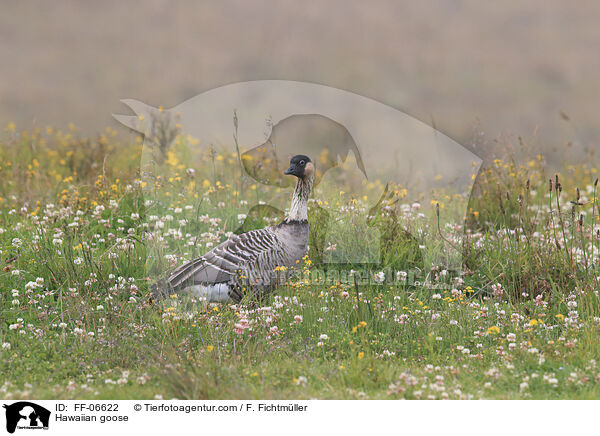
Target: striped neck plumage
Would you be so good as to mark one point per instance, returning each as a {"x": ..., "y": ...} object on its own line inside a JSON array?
[{"x": 299, "y": 207}]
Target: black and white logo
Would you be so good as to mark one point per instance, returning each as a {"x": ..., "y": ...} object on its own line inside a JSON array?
[{"x": 26, "y": 415}]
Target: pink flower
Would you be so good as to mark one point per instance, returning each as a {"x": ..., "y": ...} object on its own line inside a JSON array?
[
  {"x": 539, "y": 300},
  {"x": 241, "y": 326},
  {"x": 498, "y": 291},
  {"x": 298, "y": 319}
]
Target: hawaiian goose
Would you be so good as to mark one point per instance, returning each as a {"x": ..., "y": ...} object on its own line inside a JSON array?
[{"x": 247, "y": 262}]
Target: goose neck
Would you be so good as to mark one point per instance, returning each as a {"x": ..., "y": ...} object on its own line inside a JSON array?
[{"x": 299, "y": 206}]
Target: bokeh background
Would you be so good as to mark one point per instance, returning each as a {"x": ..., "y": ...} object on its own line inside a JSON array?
[{"x": 505, "y": 69}]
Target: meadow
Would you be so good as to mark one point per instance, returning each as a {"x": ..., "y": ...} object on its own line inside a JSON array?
[{"x": 78, "y": 320}]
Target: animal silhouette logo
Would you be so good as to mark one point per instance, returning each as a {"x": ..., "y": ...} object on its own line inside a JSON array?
[
  {"x": 26, "y": 415},
  {"x": 398, "y": 164}
]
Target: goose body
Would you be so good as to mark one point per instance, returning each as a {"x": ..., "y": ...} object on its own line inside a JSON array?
[{"x": 248, "y": 262}]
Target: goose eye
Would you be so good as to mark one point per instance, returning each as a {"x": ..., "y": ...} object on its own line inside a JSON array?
[{"x": 302, "y": 162}]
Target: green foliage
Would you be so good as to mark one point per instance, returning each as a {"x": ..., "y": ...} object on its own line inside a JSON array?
[{"x": 77, "y": 320}]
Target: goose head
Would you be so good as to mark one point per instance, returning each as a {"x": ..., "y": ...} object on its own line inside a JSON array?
[{"x": 300, "y": 166}]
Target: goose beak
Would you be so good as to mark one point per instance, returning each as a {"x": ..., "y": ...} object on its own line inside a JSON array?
[{"x": 291, "y": 170}]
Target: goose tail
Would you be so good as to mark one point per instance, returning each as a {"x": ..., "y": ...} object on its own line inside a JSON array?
[
  {"x": 210, "y": 293},
  {"x": 181, "y": 281}
]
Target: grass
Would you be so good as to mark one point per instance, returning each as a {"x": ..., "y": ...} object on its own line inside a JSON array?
[{"x": 77, "y": 321}]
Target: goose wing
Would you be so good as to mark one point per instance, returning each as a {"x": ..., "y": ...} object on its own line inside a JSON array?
[{"x": 222, "y": 263}]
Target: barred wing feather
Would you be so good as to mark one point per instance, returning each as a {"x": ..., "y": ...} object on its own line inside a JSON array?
[{"x": 224, "y": 263}]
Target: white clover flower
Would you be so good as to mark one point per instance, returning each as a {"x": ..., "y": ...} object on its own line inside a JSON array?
[
  {"x": 323, "y": 337},
  {"x": 5, "y": 346},
  {"x": 401, "y": 275},
  {"x": 379, "y": 277},
  {"x": 301, "y": 381}
]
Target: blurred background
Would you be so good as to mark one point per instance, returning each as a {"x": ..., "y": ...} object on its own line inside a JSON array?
[{"x": 506, "y": 69}]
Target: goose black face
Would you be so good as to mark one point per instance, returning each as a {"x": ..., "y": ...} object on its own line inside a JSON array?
[{"x": 298, "y": 166}]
